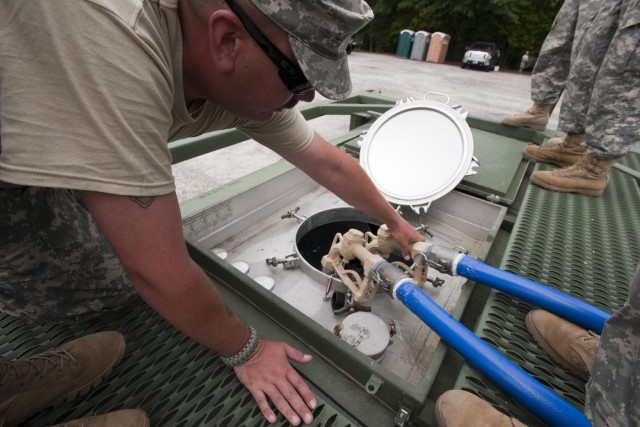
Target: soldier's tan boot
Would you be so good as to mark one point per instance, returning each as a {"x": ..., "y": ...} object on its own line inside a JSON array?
[
  {"x": 29, "y": 385},
  {"x": 567, "y": 344},
  {"x": 589, "y": 177},
  {"x": 564, "y": 150},
  {"x": 535, "y": 118},
  {"x": 123, "y": 418},
  {"x": 458, "y": 408}
]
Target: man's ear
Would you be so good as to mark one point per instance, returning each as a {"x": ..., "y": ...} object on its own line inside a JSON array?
[{"x": 225, "y": 33}]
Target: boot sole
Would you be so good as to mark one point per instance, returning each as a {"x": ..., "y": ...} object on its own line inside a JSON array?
[
  {"x": 593, "y": 193},
  {"x": 84, "y": 390},
  {"x": 551, "y": 162},
  {"x": 538, "y": 128},
  {"x": 549, "y": 350}
]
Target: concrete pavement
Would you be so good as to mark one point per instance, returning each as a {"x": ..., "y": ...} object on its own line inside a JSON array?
[{"x": 485, "y": 94}]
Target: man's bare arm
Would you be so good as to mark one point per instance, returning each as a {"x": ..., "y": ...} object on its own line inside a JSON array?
[{"x": 146, "y": 235}]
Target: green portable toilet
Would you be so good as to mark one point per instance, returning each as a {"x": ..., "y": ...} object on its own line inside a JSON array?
[{"x": 404, "y": 43}]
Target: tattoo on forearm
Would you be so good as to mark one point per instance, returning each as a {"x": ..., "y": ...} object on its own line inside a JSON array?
[{"x": 143, "y": 201}]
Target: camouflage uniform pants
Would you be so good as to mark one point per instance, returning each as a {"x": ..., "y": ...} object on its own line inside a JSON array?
[
  {"x": 586, "y": 65},
  {"x": 559, "y": 48},
  {"x": 55, "y": 264},
  {"x": 613, "y": 392},
  {"x": 613, "y": 118}
]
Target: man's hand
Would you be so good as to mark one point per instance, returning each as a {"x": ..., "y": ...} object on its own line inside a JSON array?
[
  {"x": 268, "y": 374},
  {"x": 404, "y": 234}
]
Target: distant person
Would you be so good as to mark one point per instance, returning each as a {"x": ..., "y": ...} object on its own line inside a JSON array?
[{"x": 524, "y": 61}]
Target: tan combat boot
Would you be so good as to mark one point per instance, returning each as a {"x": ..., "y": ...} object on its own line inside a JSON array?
[
  {"x": 568, "y": 345},
  {"x": 30, "y": 385},
  {"x": 589, "y": 177},
  {"x": 123, "y": 418},
  {"x": 457, "y": 408},
  {"x": 564, "y": 150},
  {"x": 535, "y": 118}
]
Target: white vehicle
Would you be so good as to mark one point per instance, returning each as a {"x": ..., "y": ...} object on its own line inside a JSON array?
[{"x": 481, "y": 55}]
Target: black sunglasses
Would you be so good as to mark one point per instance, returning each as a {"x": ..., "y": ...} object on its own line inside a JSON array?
[{"x": 289, "y": 72}]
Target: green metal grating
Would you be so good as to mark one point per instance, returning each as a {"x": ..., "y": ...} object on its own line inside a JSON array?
[
  {"x": 174, "y": 379},
  {"x": 586, "y": 246}
]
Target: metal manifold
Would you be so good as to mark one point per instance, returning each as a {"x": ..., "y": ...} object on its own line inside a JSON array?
[{"x": 372, "y": 250}]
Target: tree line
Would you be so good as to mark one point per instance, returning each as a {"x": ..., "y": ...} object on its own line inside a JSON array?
[{"x": 515, "y": 26}]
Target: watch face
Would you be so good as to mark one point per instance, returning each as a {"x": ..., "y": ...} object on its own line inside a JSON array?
[{"x": 417, "y": 152}]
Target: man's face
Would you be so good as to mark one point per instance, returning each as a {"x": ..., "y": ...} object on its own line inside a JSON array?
[
  {"x": 276, "y": 81},
  {"x": 265, "y": 91}
]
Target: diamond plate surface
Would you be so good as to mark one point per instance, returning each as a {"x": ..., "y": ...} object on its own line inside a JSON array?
[
  {"x": 585, "y": 246},
  {"x": 175, "y": 380}
]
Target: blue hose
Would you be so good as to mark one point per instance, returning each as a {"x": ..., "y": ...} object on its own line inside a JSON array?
[
  {"x": 566, "y": 306},
  {"x": 538, "y": 399}
]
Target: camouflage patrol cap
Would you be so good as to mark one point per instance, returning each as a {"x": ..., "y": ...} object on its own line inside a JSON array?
[{"x": 319, "y": 31}]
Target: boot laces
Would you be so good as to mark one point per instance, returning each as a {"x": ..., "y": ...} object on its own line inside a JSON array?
[
  {"x": 579, "y": 169},
  {"x": 586, "y": 346},
  {"x": 37, "y": 365},
  {"x": 592, "y": 339}
]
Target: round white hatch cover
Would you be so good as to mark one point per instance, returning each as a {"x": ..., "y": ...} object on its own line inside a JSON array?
[{"x": 417, "y": 152}]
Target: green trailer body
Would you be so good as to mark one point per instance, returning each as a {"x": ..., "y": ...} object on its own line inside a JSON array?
[{"x": 587, "y": 247}]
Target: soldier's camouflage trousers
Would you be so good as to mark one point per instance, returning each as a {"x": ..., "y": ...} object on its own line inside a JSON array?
[
  {"x": 585, "y": 67},
  {"x": 613, "y": 118},
  {"x": 559, "y": 49},
  {"x": 613, "y": 393},
  {"x": 55, "y": 264}
]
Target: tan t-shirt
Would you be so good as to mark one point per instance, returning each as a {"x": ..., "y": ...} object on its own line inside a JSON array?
[{"x": 91, "y": 92}]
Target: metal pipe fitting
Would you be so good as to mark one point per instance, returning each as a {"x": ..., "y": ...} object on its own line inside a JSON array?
[{"x": 387, "y": 275}]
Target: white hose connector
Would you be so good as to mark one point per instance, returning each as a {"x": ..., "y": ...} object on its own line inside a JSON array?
[
  {"x": 454, "y": 263},
  {"x": 399, "y": 283}
]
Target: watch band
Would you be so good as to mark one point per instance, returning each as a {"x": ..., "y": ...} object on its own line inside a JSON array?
[{"x": 247, "y": 352}]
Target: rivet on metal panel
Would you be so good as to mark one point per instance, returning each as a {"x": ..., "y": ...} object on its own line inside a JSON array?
[{"x": 373, "y": 385}]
